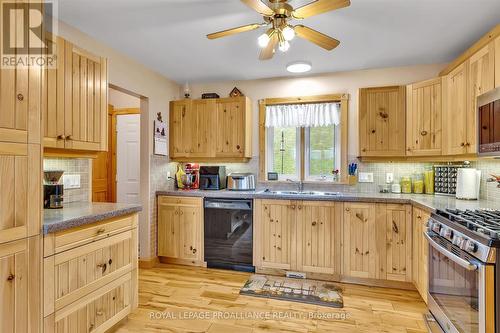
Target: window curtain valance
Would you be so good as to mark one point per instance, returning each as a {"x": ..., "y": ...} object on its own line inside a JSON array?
[{"x": 303, "y": 115}]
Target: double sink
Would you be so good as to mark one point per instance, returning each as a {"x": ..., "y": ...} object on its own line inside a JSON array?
[{"x": 302, "y": 193}]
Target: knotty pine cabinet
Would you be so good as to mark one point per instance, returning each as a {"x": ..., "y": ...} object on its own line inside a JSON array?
[
  {"x": 497, "y": 62},
  {"x": 298, "y": 235},
  {"x": 382, "y": 121},
  {"x": 74, "y": 99},
  {"x": 20, "y": 276},
  {"x": 208, "y": 129},
  {"x": 420, "y": 252},
  {"x": 180, "y": 230},
  {"x": 424, "y": 118},
  {"x": 90, "y": 275}
]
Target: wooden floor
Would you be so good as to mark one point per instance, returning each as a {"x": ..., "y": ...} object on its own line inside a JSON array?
[{"x": 171, "y": 294}]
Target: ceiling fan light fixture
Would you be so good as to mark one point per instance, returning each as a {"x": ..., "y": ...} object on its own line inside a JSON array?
[
  {"x": 288, "y": 33},
  {"x": 263, "y": 40},
  {"x": 298, "y": 67},
  {"x": 284, "y": 46}
]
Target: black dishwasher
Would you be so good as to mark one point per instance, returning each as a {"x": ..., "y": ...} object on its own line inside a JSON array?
[{"x": 229, "y": 234}]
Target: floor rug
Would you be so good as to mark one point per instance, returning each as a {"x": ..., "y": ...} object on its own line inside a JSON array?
[{"x": 295, "y": 290}]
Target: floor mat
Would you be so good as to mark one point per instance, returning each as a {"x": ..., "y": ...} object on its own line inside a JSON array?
[{"x": 295, "y": 290}]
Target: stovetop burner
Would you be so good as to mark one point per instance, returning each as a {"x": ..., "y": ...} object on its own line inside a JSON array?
[{"x": 483, "y": 221}]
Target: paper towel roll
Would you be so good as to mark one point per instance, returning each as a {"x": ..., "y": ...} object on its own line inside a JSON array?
[{"x": 468, "y": 183}]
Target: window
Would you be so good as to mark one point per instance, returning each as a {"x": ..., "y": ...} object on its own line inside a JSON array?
[{"x": 304, "y": 141}]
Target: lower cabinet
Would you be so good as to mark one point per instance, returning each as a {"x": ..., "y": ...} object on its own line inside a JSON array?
[
  {"x": 92, "y": 284},
  {"x": 420, "y": 252},
  {"x": 180, "y": 230},
  {"x": 20, "y": 272}
]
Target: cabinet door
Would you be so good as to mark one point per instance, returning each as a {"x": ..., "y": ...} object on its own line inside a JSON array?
[
  {"x": 497, "y": 62},
  {"x": 481, "y": 80},
  {"x": 180, "y": 143},
  {"x": 424, "y": 118},
  {"x": 318, "y": 237},
  {"x": 231, "y": 128},
  {"x": 455, "y": 131},
  {"x": 397, "y": 258},
  {"x": 201, "y": 124},
  {"x": 85, "y": 95},
  {"x": 168, "y": 230},
  {"x": 20, "y": 97},
  {"x": 361, "y": 235},
  {"x": 274, "y": 234},
  {"x": 420, "y": 252},
  {"x": 20, "y": 309},
  {"x": 382, "y": 121},
  {"x": 191, "y": 222},
  {"x": 53, "y": 97},
  {"x": 20, "y": 197}
]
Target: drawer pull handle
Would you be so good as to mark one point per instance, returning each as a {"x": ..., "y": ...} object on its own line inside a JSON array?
[
  {"x": 100, "y": 231},
  {"x": 103, "y": 267},
  {"x": 11, "y": 277},
  {"x": 360, "y": 216}
]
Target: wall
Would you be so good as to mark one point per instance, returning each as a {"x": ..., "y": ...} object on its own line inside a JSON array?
[
  {"x": 342, "y": 82},
  {"x": 73, "y": 166},
  {"x": 128, "y": 74},
  {"x": 120, "y": 100}
]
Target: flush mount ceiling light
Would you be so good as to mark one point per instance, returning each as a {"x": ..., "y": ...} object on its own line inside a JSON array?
[
  {"x": 299, "y": 67},
  {"x": 277, "y": 15}
]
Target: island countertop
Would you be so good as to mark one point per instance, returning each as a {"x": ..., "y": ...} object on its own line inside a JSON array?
[
  {"x": 77, "y": 214},
  {"x": 423, "y": 201}
]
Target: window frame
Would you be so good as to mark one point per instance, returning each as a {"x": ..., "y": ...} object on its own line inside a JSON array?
[
  {"x": 336, "y": 154},
  {"x": 341, "y": 134},
  {"x": 270, "y": 154}
]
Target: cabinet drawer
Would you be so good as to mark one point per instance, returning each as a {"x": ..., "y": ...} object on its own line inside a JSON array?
[
  {"x": 180, "y": 201},
  {"x": 71, "y": 274},
  {"x": 95, "y": 312},
  {"x": 68, "y": 239}
]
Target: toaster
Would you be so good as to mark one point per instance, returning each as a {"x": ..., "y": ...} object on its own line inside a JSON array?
[{"x": 241, "y": 182}]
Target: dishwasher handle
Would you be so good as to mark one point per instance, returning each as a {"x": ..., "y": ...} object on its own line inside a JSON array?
[{"x": 234, "y": 204}]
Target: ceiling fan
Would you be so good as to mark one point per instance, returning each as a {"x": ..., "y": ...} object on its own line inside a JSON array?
[{"x": 277, "y": 16}]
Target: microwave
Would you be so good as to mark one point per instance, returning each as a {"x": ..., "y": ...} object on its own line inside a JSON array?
[{"x": 489, "y": 123}]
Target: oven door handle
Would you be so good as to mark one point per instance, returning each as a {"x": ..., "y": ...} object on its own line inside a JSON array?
[{"x": 462, "y": 262}]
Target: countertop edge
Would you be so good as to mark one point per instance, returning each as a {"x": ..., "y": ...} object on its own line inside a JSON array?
[{"x": 83, "y": 220}]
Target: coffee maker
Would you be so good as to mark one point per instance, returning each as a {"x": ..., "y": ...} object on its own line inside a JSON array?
[
  {"x": 53, "y": 189},
  {"x": 212, "y": 177}
]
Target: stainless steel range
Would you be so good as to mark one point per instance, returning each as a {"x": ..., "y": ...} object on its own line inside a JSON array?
[{"x": 464, "y": 282}]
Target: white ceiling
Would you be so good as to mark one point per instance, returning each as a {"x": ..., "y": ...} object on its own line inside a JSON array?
[{"x": 168, "y": 36}]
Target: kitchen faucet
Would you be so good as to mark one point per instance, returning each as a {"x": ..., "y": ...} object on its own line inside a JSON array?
[{"x": 300, "y": 184}]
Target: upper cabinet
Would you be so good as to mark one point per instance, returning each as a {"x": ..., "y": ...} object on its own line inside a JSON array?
[
  {"x": 382, "y": 121},
  {"x": 74, "y": 99},
  {"x": 206, "y": 129},
  {"x": 424, "y": 109}
]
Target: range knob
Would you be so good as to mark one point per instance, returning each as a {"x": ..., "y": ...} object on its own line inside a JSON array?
[
  {"x": 457, "y": 240},
  {"x": 436, "y": 227},
  {"x": 446, "y": 233},
  {"x": 469, "y": 246}
]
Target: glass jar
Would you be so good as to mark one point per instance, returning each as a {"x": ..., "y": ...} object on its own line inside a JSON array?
[
  {"x": 405, "y": 184},
  {"x": 418, "y": 183},
  {"x": 429, "y": 180}
]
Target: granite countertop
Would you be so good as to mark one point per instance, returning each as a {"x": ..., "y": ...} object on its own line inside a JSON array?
[
  {"x": 427, "y": 202},
  {"x": 77, "y": 214}
]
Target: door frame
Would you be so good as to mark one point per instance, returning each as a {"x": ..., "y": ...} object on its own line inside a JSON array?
[{"x": 113, "y": 144}]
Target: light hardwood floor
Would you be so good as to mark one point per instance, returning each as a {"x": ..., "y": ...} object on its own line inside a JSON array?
[{"x": 174, "y": 291}]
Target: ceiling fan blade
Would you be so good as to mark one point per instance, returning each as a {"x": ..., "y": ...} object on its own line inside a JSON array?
[
  {"x": 318, "y": 7},
  {"x": 316, "y": 37},
  {"x": 268, "y": 52},
  {"x": 233, "y": 31},
  {"x": 259, "y": 7}
]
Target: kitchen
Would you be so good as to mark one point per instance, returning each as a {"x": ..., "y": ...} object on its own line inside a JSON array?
[{"x": 370, "y": 190}]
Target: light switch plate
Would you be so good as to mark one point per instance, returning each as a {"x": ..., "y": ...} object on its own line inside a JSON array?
[
  {"x": 365, "y": 177},
  {"x": 389, "y": 177},
  {"x": 71, "y": 182}
]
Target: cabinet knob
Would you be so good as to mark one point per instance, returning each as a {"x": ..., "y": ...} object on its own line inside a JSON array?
[
  {"x": 462, "y": 144},
  {"x": 61, "y": 137},
  {"x": 373, "y": 131},
  {"x": 103, "y": 266},
  {"x": 69, "y": 137},
  {"x": 99, "y": 313},
  {"x": 292, "y": 206},
  {"x": 314, "y": 223},
  {"x": 20, "y": 97},
  {"x": 238, "y": 147},
  {"x": 347, "y": 209},
  {"x": 11, "y": 277},
  {"x": 194, "y": 251},
  {"x": 100, "y": 231},
  {"x": 423, "y": 133}
]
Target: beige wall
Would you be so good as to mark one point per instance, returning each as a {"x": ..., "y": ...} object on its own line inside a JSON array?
[
  {"x": 343, "y": 82},
  {"x": 121, "y": 100},
  {"x": 127, "y": 73}
]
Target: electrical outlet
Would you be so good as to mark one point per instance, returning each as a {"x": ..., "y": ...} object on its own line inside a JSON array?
[
  {"x": 365, "y": 177},
  {"x": 71, "y": 182},
  {"x": 168, "y": 174},
  {"x": 389, "y": 177}
]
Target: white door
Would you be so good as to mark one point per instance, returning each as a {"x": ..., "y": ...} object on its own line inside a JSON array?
[{"x": 128, "y": 168}]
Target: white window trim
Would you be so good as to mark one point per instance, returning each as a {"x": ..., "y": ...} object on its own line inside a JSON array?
[
  {"x": 270, "y": 154},
  {"x": 336, "y": 152}
]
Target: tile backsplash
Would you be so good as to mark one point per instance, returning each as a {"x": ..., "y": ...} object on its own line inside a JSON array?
[{"x": 73, "y": 166}]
